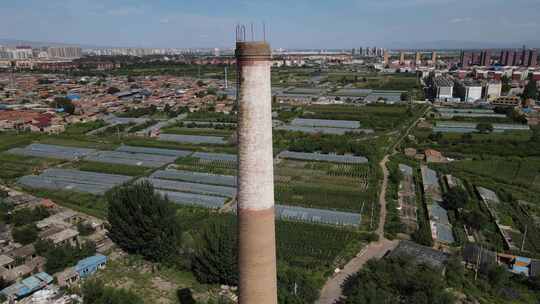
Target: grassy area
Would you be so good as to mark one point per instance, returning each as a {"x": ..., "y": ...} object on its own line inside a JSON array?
[
  {"x": 82, "y": 202},
  {"x": 378, "y": 117},
  {"x": 9, "y": 140},
  {"x": 153, "y": 284},
  {"x": 523, "y": 172},
  {"x": 81, "y": 128},
  {"x": 324, "y": 185},
  {"x": 507, "y": 144},
  {"x": 199, "y": 165},
  {"x": 14, "y": 166}
]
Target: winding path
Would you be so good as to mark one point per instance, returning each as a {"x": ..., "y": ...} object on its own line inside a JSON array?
[{"x": 331, "y": 291}]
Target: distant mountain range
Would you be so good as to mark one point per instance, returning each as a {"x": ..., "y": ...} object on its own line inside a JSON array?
[{"x": 438, "y": 45}]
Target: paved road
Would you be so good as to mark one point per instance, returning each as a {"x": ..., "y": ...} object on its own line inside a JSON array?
[{"x": 331, "y": 291}]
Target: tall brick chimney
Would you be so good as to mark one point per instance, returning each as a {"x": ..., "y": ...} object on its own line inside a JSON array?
[{"x": 256, "y": 224}]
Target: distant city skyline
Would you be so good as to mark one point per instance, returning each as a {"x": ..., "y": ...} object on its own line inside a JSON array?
[{"x": 291, "y": 24}]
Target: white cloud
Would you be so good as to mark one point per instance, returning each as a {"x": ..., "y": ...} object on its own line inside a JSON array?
[
  {"x": 461, "y": 20},
  {"x": 164, "y": 20},
  {"x": 125, "y": 11}
]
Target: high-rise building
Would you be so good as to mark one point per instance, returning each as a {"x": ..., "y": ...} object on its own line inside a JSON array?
[
  {"x": 466, "y": 59},
  {"x": 64, "y": 52},
  {"x": 476, "y": 58},
  {"x": 514, "y": 58},
  {"x": 418, "y": 58},
  {"x": 402, "y": 58},
  {"x": 434, "y": 57},
  {"x": 533, "y": 58},
  {"x": 485, "y": 58},
  {"x": 256, "y": 214},
  {"x": 386, "y": 58}
]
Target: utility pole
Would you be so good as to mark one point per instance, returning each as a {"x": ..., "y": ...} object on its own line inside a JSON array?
[
  {"x": 524, "y": 238},
  {"x": 226, "y": 80}
]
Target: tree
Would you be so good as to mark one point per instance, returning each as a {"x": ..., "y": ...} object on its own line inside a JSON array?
[
  {"x": 95, "y": 292},
  {"x": 215, "y": 257},
  {"x": 484, "y": 127},
  {"x": 185, "y": 296},
  {"x": 530, "y": 91},
  {"x": 60, "y": 257},
  {"x": 455, "y": 199},
  {"x": 476, "y": 219},
  {"x": 113, "y": 90},
  {"x": 405, "y": 96},
  {"x": 143, "y": 222},
  {"x": 26, "y": 234},
  {"x": 506, "y": 84},
  {"x": 65, "y": 104},
  {"x": 377, "y": 282}
]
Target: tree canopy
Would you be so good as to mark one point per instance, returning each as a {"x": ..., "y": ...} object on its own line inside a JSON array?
[
  {"x": 94, "y": 292},
  {"x": 456, "y": 198},
  {"x": 143, "y": 222},
  {"x": 530, "y": 91},
  {"x": 65, "y": 104},
  {"x": 377, "y": 282}
]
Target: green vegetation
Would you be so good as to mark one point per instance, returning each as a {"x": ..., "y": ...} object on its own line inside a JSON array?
[
  {"x": 82, "y": 202},
  {"x": 378, "y": 117},
  {"x": 9, "y": 140},
  {"x": 81, "y": 128},
  {"x": 378, "y": 282},
  {"x": 95, "y": 292},
  {"x": 139, "y": 112},
  {"x": 26, "y": 234},
  {"x": 60, "y": 257},
  {"x": 27, "y": 216},
  {"x": 14, "y": 166},
  {"x": 212, "y": 116},
  {"x": 143, "y": 222},
  {"x": 142, "y": 126},
  {"x": 326, "y": 185},
  {"x": 508, "y": 144}
]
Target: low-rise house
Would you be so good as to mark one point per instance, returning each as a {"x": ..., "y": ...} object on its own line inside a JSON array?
[
  {"x": 420, "y": 254},
  {"x": 27, "y": 286},
  {"x": 67, "y": 277},
  {"x": 65, "y": 237},
  {"x": 6, "y": 262},
  {"x": 65, "y": 219},
  {"x": 90, "y": 265},
  {"x": 434, "y": 156}
]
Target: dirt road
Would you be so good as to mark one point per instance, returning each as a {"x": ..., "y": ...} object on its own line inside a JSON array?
[{"x": 331, "y": 291}]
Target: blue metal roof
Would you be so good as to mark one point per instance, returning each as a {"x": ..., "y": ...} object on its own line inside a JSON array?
[
  {"x": 90, "y": 262},
  {"x": 520, "y": 269},
  {"x": 28, "y": 285},
  {"x": 523, "y": 259}
]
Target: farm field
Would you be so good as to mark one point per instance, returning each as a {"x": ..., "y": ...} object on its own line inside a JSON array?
[
  {"x": 341, "y": 187},
  {"x": 197, "y": 131},
  {"x": 112, "y": 168},
  {"x": 15, "y": 166},
  {"x": 523, "y": 172},
  {"x": 378, "y": 117}
]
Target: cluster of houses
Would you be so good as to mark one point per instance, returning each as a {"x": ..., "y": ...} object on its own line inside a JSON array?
[
  {"x": 27, "y": 101},
  {"x": 24, "y": 268}
]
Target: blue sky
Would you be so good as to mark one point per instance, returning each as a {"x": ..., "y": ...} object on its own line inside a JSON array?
[{"x": 291, "y": 23}]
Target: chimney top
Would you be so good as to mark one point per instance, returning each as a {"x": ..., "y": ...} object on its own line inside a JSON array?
[{"x": 253, "y": 50}]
